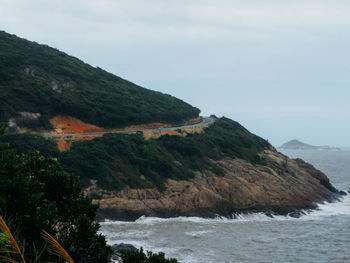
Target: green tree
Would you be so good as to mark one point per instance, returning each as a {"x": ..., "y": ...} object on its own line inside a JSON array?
[
  {"x": 139, "y": 256},
  {"x": 35, "y": 195}
]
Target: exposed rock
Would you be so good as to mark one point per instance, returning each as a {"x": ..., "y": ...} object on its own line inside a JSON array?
[
  {"x": 30, "y": 115},
  {"x": 12, "y": 126},
  {"x": 119, "y": 249},
  {"x": 142, "y": 177},
  {"x": 29, "y": 72},
  {"x": 58, "y": 87},
  {"x": 55, "y": 87},
  {"x": 281, "y": 186},
  {"x": 15, "y": 124},
  {"x": 177, "y": 163}
]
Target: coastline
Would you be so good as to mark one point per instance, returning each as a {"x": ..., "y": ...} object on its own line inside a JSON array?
[
  {"x": 130, "y": 216},
  {"x": 233, "y": 237},
  {"x": 281, "y": 187}
]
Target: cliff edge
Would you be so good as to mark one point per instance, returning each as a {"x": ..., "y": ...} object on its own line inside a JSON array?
[{"x": 281, "y": 186}]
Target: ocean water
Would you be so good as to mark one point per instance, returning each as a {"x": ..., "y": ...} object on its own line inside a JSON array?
[{"x": 320, "y": 236}]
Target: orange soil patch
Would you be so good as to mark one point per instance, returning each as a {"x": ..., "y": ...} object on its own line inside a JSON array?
[
  {"x": 157, "y": 134},
  {"x": 184, "y": 132},
  {"x": 64, "y": 145},
  {"x": 193, "y": 121},
  {"x": 157, "y": 125},
  {"x": 67, "y": 124}
]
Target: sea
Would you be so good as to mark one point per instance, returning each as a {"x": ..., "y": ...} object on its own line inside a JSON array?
[{"x": 322, "y": 235}]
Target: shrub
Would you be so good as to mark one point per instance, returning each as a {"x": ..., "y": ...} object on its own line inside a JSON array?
[
  {"x": 35, "y": 195},
  {"x": 139, "y": 256}
]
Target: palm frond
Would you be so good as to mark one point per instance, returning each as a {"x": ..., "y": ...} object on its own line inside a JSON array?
[
  {"x": 55, "y": 248},
  {"x": 7, "y": 251},
  {"x": 10, "y": 241},
  {"x": 7, "y": 259}
]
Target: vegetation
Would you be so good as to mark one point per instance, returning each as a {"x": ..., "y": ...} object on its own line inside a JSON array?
[
  {"x": 27, "y": 143},
  {"x": 55, "y": 248},
  {"x": 8, "y": 245},
  {"x": 35, "y": 195},
  {"x": 10, "y": 251},
  {"x": 118, "y": 160},
  {"x": 39, "y": 79},
  {"x": 139, "y": 256}
]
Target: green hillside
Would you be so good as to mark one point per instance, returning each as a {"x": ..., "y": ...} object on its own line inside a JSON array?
[
  {"x": 117, "y": 160},
  {"x": 39, "y": 79}
]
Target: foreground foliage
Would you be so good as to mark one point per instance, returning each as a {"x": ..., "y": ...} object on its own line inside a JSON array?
[
  {"x": 139, "y": 256},
  {"x": 35, "y": 195},
  {"x": 10, "y": 250},
  {"x": 8, "y": 244},
  {"x": 39, "y": 79}
]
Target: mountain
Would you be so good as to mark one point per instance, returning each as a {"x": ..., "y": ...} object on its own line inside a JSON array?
[
  {"x": 215, "y": 168},
  {"x": 298, "y": 145},
  {"x": 38, "y": 82}
]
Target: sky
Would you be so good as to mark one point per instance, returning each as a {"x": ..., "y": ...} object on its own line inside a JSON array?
[{"x": 279, "y": 67}]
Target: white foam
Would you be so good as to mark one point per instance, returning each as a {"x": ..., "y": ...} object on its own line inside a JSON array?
[
  {"x": 198, "y": 233},
  {"x": 144, "y": 234},
  {"x": 341, "y": 207},
  {"x": 331, "y": 209},
  {"x": 144, "y": 231}
]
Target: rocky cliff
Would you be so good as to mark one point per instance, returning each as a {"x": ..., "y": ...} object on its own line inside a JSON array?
[{"x": 280, "y": 186}]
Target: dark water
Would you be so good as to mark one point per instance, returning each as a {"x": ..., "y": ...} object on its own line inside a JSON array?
[{"x": 321, "y": 236}]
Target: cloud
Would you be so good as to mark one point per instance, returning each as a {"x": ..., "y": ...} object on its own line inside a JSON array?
[
  {"x": 181, "y": 47},
  {"x": 274, "y": 13},
  {"x": 175, "y": 21}
]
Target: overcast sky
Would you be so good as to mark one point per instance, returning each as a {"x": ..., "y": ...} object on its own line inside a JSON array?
[{"x": 279, "y": 67}]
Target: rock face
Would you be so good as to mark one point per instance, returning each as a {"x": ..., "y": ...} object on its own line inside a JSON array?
[
  {"x": 119, "y": 249},
  {"x": 281, "y": 186}
]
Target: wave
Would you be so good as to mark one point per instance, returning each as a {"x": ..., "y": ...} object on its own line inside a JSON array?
[
  {"x": 330, "y": 209},
  {"x": 326, "y": 209},
  {"x": 152, "y": 234}
]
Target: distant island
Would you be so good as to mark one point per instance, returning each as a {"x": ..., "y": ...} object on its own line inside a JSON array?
[{"x": 298, "y": 145}]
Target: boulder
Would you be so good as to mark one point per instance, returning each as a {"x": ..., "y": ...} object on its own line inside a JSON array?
[{"x": 119, "y": 249}]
